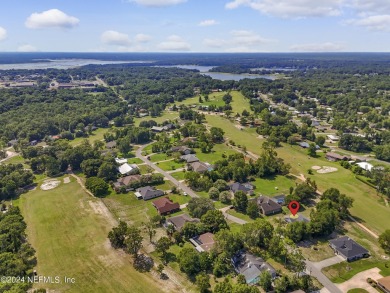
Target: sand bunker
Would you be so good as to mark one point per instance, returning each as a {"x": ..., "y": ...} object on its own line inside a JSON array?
[
  {"x": 326, "y": 169},
  {"x": 50, "y": 184},
  {"x": 66, "y": 180},
  {"x": 316, "y": 167}
]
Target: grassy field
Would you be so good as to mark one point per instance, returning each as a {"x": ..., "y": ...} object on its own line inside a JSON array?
[
  {"x": 97, "y": 134},
  {"x": 215, "y": 154},
  {"x": 170, "y": 165},
  {"x": 318, "y": 252},
  {"x": 273, "y": 186},
  {"x": 14, "y": 160},
  {"x": 159, "y": 157},
  {"x": 69, "y": 230},
  {"x": 165, "y": 116},
  {"x": 178, "y": 175},
  {"x": 367, "y": 206}
]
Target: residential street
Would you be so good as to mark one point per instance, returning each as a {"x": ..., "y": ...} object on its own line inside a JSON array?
[{"x": 314, "y": 270}]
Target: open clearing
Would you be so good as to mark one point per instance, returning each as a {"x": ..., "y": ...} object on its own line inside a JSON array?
[{"x": 69, "y": 231}]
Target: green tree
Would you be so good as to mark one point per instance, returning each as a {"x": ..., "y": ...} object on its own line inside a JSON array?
[
  {"x": 265, "y": 281},
  {"x": 150, "y": 229},
  {"x": 197, "y": 207},
  {"x": 133, "y": 241},
  {"x": 225, "y": 197},
  {"x": 97, "y": 186},
  {"x": 118, "y": 234},
  {"x": 223, "y": 287},
  {"x": 240, "y": 201},
  {"x": 213, "y": 193},
  {"x": 252, "y": 210},
  {"x": 228, "y": 242},
  {"x": 320, "y": 140},
  {"x": 214, "y": 221},
  {"x": 162, "y": 247},
  {"x": 189, "y": 261},
  {"x": 202, "y": 281},
  {"x": 312, "y": 150},
  {"x": 257, "y": 234},
  {"x": 107, "y": 171},
  {"x": 241, "y": 279},
  {"x": 384, "y": 241}
]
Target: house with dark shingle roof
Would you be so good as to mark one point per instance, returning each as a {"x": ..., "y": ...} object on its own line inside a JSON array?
[
  {"x": 267, "y": 206},
  {"x": 348, "y": 248},
  {"x": 165, "y": 206},
  {"x": 179, "y": 221},
  {"x": 200, "y": 167},
  {"x": 335, "y": 157},
  {"x": 190, "y": 158},
  {"x": 125, "y": 182},
  {"x": 251, "y": 267},
  {"x": 148, "y": 192},
  {"x": 204, "y": 242},
  {"x": 245, "y": 187}
]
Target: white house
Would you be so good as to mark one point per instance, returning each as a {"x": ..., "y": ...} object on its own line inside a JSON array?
[
  {"x": 120, "y": 161},
  {"x": 128, "y": 169}
]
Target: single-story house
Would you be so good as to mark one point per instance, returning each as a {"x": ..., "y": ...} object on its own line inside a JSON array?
[
  {"x": 315, "y": 123},
  {"x": 120, "y": 161},
  {"x": 148, "y": 192},
  {"x": 189, "y": 139},
  {"x": 366, "y": 166},
  {"x": 190, "y": 158},
  {"x": 12, "y": 142},
  {"x": 204, "y": 242},
  {"x": 33, "y": 142},
  {"x": 330, "y": 156},
  {"x": 304, "y": 145},
  {"x": 348, "y": 248},
  {"x": 184, "y": 150},
  {"x": 251, "y": 267},
  {"x": 280, "y": 199},
  {"x": 157, "y": 129},
  {"x": 267, "y": 206},
  {"x": 384, "y": 284},
  {"x": 165, "y": 206},
  {"x": 111, "y": 145},
  {"x": 245, "y": 187},
  {"x": 179, "y": 221},
  {"x": 125, "y": 181},
  {"x": 128, "y": 169},
  {"x": 200, "y": 167},
  {"x": 333, "y": 137},
  {"x": 300, "y": 218}
]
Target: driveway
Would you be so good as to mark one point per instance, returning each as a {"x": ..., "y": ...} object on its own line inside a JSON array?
[
  {"x": 178, "y": 184},
  {"x": 313, "y": 270},
  {"x": 328, "y": 262},
  {"x": 230, "y": 217},
  {"x": 359, "y": 281}
]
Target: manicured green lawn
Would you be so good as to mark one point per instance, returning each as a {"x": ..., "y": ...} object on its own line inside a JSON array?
[
  {"x": 15, "y": 160},
  {"x": 239, "y": 102},
  {"x": 178, "y": 175},
  {"x": 215, "y": 154},
  {"x": 170, "y": 165},
  {"x": 159, "y": 157},
  {"x": 239, "y": 215},
  {"x": 357, "y": 291},
  {"x": 97, "y": 134},
  {"x": 181, "y": 199},
  {"x": 144, "y": 169},
  {"x": 68, "y": 229},
  {"x": 167, "y": 185},
  {"x": 165, "y": 116},
  {"x": 274, "y": 185},
  {"x": 134, "y": 161}
]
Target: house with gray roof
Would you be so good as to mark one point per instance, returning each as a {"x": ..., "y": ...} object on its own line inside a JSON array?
[
  {"x": 267, "y": 206},
  {"x": 245, "y": 187},
  {"x": 190, "y": 158},
  {"x": 251, "y": 267},
  {"x": 148, "y": 192},
  {"x": 348, "y": 248},
  {"x": 179, "y": 221}
]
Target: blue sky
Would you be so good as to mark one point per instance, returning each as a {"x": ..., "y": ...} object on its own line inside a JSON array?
[{"x": 195, "y": 25}]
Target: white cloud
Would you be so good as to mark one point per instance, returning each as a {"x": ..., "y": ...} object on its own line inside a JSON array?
[
  {"x": 174, "y": 43},
  {"x": 3, "y": 33},
  {"x": 115, "y": 38},
  {"x": 370, "y": 7},
  {"x": 291, "y": 8},
  {"x": 318, "y": 47},
  {"x": 52, "y": 18},
  {"x": 158, "y": 3},
  {"x": 374, "y": 22},
  {"x": 214, "y": 43},
  {"x": 27, "y": 48},
  {"x": 247, "y": 38},
  {"x": 142, "y": 38},
  {"x": 208, "y": 22}
]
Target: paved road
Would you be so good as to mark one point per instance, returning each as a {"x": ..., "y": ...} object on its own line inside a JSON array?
[
  {"x": 230, "y": 217},
  {"x": 313, "y": 270},
  {"x": 178, "y": 184},
  {"x": 328, "y": 262}
]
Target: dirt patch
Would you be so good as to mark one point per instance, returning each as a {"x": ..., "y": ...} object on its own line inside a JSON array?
[
  {"x": 327, "y": 169},
  {"x": 67, "y": 180},
  {"x": 99, "y": 208},
  {"x": 50, "y": 184},
  {"x": 316, "y": 167}
]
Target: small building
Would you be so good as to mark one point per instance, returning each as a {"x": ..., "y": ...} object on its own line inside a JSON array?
[
  {"x": 384, "y": 284},
  {"x": 178, "y": 221},
  {"x": 204, "y": 242},
  {"x": 165, "y": 206},
  {"x": 267, "y": 206},
  {"x": 200, "y": 167},
  {"x": 33, "y": 142},
  {"x": 333, "y": 137},
  {"x": 12, "y": 142},
  {"x": 111, "y": 145},
  {"x": 120, "y": 161},
  {"x": 148, "y": 192},
  {"x": 304, "y": 145},
  {"x": 245, "y": 187},
  {"x": 190, "y": 158},
  {"x": 251, "y": 267},
  {"x": 366, "y": 166},
  {"x": 157, "y": 129},
  {"x": 184, "y": 150},
  {"x": 348, "y": 248},
  {"x": 280, "y": 199},
  {"x": 330, "y": 156},
  {"x": 315, "y": 123},
  {"x": 128, "y": 169},
  {"x": 126, "y": 181}
]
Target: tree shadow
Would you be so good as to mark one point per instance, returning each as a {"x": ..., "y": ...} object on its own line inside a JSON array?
[{"x": 143, "y": 263}]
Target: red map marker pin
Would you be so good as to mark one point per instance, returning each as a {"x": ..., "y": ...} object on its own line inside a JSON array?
[{"x": 293, "y": 207}]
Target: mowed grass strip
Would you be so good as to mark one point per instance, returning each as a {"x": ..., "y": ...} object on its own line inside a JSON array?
[{"x": 68, "y": 230}]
